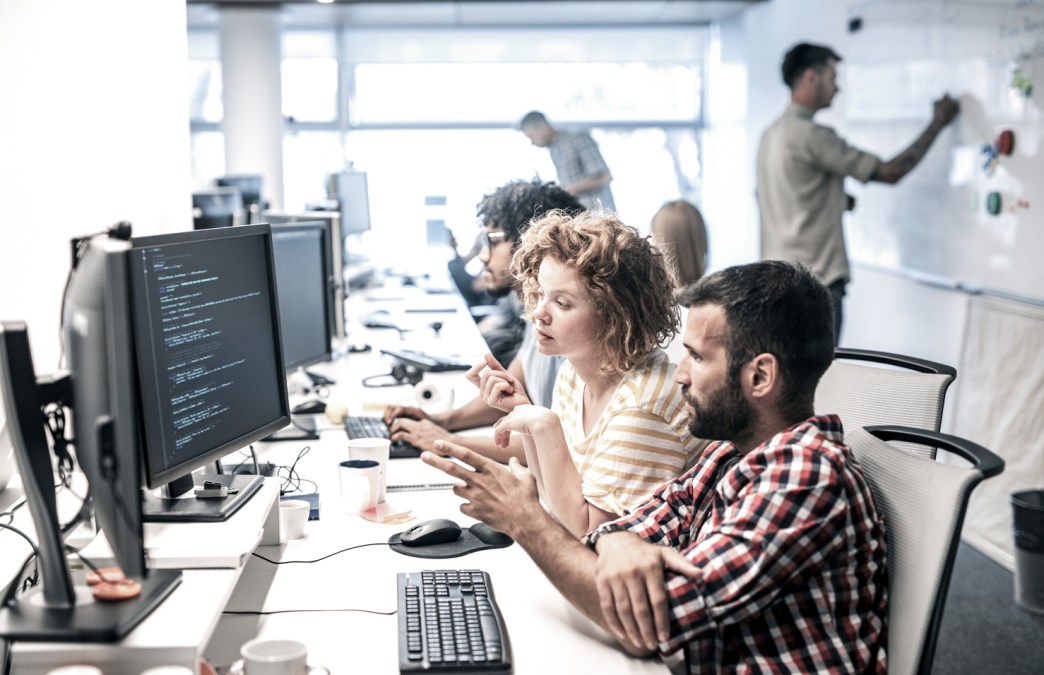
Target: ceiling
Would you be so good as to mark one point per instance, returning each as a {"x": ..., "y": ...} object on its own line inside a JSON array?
[{"x": 479, "y": 13}]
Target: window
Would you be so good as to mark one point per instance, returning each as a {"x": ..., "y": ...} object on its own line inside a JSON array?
[
  {"x": 309, "y": 78},
  {"x": 205, "y": 107},
  {"x": 434, "y": 112}
]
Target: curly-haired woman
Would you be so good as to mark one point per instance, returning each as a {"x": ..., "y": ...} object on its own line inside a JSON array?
[{"x": 601, "y": 295}]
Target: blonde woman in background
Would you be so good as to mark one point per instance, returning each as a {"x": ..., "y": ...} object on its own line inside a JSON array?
[{"x": 679, "y": 231}]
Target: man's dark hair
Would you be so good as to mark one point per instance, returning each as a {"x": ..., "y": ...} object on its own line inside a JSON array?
[
  {"x": 803, "y": 56},
  {"x": 532, "y": 119},
  {"x": 510, "y": 207},
  {"x": 777, "y": 308}
]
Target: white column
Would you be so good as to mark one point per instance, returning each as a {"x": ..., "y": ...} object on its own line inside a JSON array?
[{"x": 253, "y": 122}]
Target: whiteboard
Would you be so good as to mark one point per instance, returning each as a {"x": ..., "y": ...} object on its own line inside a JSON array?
[{"x": 903, "y": 54}]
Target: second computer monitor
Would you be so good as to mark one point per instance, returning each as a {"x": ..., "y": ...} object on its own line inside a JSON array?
[
  {"x": 335, "y": 252},
  {"x": 302, "y": 265}
]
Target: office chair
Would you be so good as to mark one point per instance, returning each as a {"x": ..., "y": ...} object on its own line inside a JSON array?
[
  {"x": 903, "y": 390},
  {"x": 923, "y": 529}
]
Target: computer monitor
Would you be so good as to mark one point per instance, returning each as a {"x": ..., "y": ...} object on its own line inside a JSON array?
[
  {"x": 250, "y": 188},
  {"x": 61, "y": 607},
  {"x": 302, "y": 264},
  {"x": 335, "y": 247},
  {"x": 351, "y": 192},
  {"x": 216, "y": 207},
  {"x": 209, "y": 358}
]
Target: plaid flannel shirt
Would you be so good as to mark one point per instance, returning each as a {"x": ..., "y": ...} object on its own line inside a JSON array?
[{"x": 791, "y": 552}]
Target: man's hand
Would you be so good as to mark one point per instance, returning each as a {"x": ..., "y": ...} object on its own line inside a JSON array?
[
  {"x": 631, "y": 587},
  {"x": 503, "y": 497},
  {"x": 420, "y": 433},
  {"x": 945, "y": 109},
  {"x": 394, "y": 412}
]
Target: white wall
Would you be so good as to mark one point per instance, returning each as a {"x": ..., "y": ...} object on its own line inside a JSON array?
[
  {"x": 884, "y": 310},
  {"x": 93, "y": 130}
]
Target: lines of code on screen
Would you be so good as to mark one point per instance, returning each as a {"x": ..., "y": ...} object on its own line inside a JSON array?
[{"x": 210, "y": 371}]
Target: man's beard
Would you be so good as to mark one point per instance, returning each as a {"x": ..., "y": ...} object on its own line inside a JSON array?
[
  {"x": 724, "y": 416},
  {"x": 499, "y": 292},
  {"x": 494, "y": 290}
]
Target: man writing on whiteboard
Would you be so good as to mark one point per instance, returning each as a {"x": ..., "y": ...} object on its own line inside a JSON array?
[{"x": 802, "y": 167}]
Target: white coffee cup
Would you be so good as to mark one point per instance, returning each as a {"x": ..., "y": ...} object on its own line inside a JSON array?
[
  {"x": 376, "y": 449},
  {"x": 293, "y": 514},
  {"x": 275, "y": 657},
  {"x": 360, "y": 484}
]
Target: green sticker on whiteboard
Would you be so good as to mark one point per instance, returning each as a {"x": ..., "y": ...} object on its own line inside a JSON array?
[{"x": 993, "y": 203}]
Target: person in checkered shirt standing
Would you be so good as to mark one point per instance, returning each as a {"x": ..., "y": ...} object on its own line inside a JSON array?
[
  {"x": 582, "y": 172},
  {"x": 768, "y": 555}
]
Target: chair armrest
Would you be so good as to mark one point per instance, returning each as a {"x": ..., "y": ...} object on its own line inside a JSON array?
[
  {"x": 900, "y": 360},
  {"x": 982, "y": 459}
]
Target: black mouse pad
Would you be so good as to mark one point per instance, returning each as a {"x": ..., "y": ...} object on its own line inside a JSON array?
[{"x": 478, "y": 537}]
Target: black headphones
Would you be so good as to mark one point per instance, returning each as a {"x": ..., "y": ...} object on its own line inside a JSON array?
[{"x": 400, "y": 374}]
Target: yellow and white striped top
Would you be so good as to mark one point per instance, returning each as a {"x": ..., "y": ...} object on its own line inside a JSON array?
[{"x": 641, "y": 440}]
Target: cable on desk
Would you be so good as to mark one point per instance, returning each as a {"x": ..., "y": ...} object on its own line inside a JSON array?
[
  {"x": 292, "y": 481},
  {"x": 33, "y": 557},
  {"x": 10, "y": 513},
  {"x": 296, "y": 611},
  {"x": 329, "y": 555}
]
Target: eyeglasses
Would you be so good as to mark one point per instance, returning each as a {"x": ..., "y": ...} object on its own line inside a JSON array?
[{"x": 491, "y": 239}]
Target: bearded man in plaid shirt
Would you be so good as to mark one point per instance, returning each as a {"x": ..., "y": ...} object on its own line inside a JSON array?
[{"x": 768, "y": 555}]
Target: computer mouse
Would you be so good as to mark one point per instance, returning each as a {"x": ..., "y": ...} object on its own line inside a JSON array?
[
  {"x": 437, "y": 531},
  {"x": 315, "y": 407}
]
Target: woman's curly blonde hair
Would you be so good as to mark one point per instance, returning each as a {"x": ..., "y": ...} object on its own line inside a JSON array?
[{"x": 625, "y": 273}]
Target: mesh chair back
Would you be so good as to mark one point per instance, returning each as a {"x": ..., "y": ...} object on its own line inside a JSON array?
[
  {"x": 923, "y": 529},
  {"x": 904, "y": 391}
]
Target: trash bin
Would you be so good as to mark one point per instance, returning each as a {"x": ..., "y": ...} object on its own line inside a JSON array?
[{"x": 1028, "y": 531}]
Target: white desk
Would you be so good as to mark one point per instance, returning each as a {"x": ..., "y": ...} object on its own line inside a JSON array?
[{"x": 547, "y": 635}]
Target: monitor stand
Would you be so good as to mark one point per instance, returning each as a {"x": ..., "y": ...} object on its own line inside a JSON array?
[
  {"x": 88, "y": 620},
  {"x": 187, "y": 507}
]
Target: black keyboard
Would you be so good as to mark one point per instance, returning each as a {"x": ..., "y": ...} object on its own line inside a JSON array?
[
  {"x": 363, "y": 426},
  {"x": 449, "y": 621},
  {"x": 426, "y": 362}
]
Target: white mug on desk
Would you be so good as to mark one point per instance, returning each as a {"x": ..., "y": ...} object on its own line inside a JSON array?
[{"x": 276, "y": 657}]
